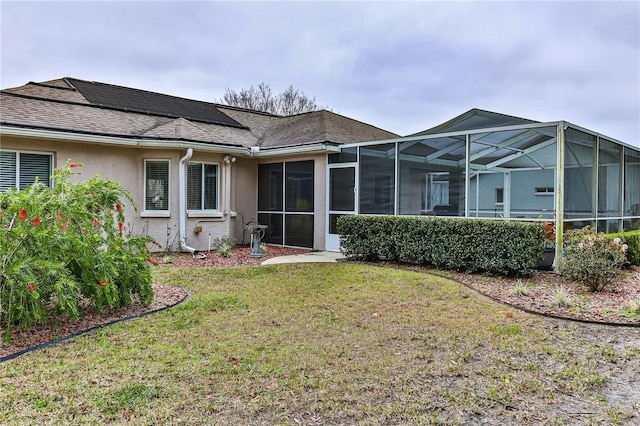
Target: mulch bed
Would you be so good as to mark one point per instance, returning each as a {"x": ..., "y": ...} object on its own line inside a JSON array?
[
  {"x": 605, "y": 307},
  {"x": 61, "y": 327},
  {"x": 240, "y": 256}
]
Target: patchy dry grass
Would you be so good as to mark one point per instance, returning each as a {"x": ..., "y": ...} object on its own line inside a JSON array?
[{"x": 329, "y": 344}]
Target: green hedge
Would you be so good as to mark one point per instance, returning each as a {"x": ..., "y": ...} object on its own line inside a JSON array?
[
  {"x": 632, "y": 239},
  {"x": 494, "y": 247}
]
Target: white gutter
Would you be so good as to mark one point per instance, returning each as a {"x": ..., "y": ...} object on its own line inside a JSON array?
[
  {"x": 62, "y": 135},
  {"x": 257, "y": 152},
  {"x": 247, "y": 152},
  {"x": 201, "y": 147},
  {"x": 182, "y": 182},
  {"x": 122, "y": 141}
]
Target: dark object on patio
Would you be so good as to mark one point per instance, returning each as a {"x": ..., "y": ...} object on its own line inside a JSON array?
[
  {"x": 546, "y": 264},
  {"x": 445, "y": 210}
]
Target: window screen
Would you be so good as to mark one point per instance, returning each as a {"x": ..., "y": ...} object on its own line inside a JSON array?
[
  {"x": 8, "y": 164},
  {"x": 202, "y": 186},
  {"x": 156, "y": 185},
  {"x": 21, "y": 169}
]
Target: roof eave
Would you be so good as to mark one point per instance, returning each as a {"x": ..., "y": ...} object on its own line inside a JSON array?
[
  {"x": 155, "y": 143},
  {"x": 320, "y": 148}
]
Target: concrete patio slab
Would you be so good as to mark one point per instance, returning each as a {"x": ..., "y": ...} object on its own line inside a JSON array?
[{"x": 311, "y": 257}]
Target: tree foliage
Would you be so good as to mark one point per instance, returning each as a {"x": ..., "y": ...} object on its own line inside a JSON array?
[{"x": 289, "y": 102}]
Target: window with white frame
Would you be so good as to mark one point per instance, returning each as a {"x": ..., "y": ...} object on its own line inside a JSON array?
[
  {"x": 499, "y": 196},
  {"x": 544, "y": 190},
  {"x": 156, "y": 185},
  {"x": 21, "y": 169},
  {"x": 202, "y": 186}
]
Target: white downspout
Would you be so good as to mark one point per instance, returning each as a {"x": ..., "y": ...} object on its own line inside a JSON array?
[{"x": 182, "y": 182}]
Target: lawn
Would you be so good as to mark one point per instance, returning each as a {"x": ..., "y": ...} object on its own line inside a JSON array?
[{"x": 330, "y": 344}]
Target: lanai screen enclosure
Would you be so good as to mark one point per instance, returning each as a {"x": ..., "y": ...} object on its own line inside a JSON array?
[{"x": 493, "y": 166}]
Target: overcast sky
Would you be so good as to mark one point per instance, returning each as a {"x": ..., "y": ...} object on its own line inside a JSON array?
[{"x": 401, "y": 66}]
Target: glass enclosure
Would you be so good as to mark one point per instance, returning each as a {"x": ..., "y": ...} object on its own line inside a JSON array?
[
  {"x": 631, "y": 184},
  {"x": 432, "y": 176},
  {"x": 377, "y": 179},
  {"x": 512, "y": 173},
  {"x": 579, "y": 196},
  {"x": 503, "y": 172}
]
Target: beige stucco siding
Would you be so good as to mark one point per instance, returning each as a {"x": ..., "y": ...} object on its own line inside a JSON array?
[
  {"x": 244, "y": 196},
  {"x": 126, "y": 165},
  {"x": 320, "y": 201}
]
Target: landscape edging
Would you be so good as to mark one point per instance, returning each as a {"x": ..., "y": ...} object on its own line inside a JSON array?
[{"x": 87, "y": 330}]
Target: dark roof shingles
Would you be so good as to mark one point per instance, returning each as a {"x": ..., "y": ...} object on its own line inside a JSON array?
[{"x": 320, "y": 127}]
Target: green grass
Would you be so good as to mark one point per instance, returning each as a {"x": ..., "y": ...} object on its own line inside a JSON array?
[{"x": 324, "y": 344}]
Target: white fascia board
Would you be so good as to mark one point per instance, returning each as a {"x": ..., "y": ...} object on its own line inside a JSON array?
[
  {"x": 120, "y": 141},
  {"x": 66, "y": 136},
  {"x": 202, "y": 147},
  {"x": 304, "y": 149}
]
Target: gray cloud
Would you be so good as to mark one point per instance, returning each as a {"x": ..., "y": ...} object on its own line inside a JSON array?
[{"x": 402, "y": 66}]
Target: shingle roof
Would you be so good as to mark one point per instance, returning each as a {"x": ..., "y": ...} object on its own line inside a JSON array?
[
  {"x": 320, "y": 127},
  {"x": 74, "y": 105},
  {"x": 55, "y": 89}
]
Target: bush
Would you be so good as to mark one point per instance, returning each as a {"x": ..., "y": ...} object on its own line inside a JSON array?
[
  {"x": 494, "y": 247},
  {"x": 592, "y": 259},
  {"x": 632, "y": 240},
  {"x": 224, "y": 245},
  {"x": 65, "y": 244}
]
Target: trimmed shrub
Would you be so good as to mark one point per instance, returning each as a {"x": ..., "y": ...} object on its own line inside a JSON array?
[
  {"x": 65, "y": 244},
  {"x": 470, "y": 245},
  {"x": 632, "y": 240}
]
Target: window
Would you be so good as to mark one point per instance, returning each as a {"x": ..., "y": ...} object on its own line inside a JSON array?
[
  {"x": 202, "y": 186},
  {"x": 156, "y": 178},
  {"x": 270, "y": 181},
  {"x": 499, "y": 195},
  {"x": 20, "y": 169},
  {"x": 544, "y": 190}
]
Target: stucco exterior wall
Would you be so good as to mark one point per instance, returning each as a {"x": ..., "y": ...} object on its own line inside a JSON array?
[
  {"x": 244, "y": 196},
  {"x": 126, "y": 165}
]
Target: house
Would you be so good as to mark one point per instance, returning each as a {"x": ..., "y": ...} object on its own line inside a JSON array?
[
  {"x": 201, "y": 170},
  {"x": 198, "y": 170}
]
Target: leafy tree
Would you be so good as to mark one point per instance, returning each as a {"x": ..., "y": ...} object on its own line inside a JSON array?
[{"x": 291, "y": 101}]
